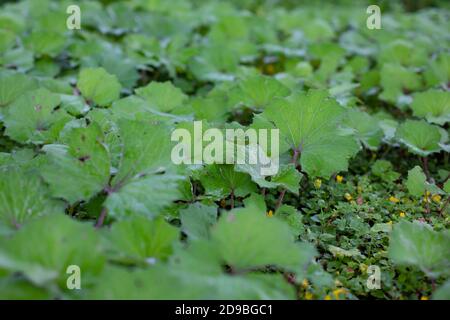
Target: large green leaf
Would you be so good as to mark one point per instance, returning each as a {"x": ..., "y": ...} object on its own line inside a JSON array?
[
  {"x": 142, "y": 240},
  {"x": 248, "y": 239},
  {"x": 258, "y": 91},
  {"x": 33, "y": 118},
  {"x": 83, "y": 160},
  {"x": 13, "y": 86},
  {"x": 417, "y": 244},
  {"x": 308, "y": 123},
  {"x": 43, "y": 250},
  {"x": 23, "y": 196},
  {"x": 420, "y": 137},
  {"x": 221, "y": 180},
  {"x": 433, "y": 105}
]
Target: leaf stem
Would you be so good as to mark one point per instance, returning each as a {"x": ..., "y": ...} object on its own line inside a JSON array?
[
  {"x": 425, "y": 167},
  {"x": 232, "y": 199},
  {"x": 283, "y": 192},
  {"x": 101, "y": 218}
]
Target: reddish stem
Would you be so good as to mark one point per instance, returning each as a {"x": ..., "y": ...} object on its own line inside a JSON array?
[
  {"x": 283, "y": 192},
  {"x": 101, "y": 218}
]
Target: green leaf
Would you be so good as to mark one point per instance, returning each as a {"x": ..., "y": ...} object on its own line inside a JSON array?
[
  {"x": 146, "y": 150},
  {"x": 33, "y": 118},
  {"x": 416, "y": 182},
  {"x": 43, "y": 249},
  {"x": 308, "y": 123},
  {"x": 365, "y": 128},
  {"x": 23, "y": 197},
  {"x": 222, "y": 180},
  {"x": 13, "y": 85},
  {"x": 433, "y": 105},
  {"x": 417, "y": 244},
  {"x": 197, "y": 219},
  {"x": 84, "y": 161},
  {"x": 243, "y": 246},
  {"x": 258, "y": 91},
  {"x": 142, "y": 240},
  {"x": 146, "y": 196},
  {"x": 46, "y": 43},
  {"x": 420, "y": 137},
  {"x": 163, "y": 96},
  {"x": 99, "y": 86},
  {"x": 447, "y": 186},
  {"x": 443, "y": 292},
  {"x": 395, "y": 78}
]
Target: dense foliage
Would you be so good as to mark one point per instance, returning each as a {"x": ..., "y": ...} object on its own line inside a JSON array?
[{"x": 86, "y": 176}]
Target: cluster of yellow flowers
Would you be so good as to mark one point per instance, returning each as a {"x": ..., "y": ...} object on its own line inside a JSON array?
[
  {"x": 394, "y": 199},
  {"x": 429, "y": 197}
]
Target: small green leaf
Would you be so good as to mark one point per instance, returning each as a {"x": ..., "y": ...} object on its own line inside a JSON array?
[
  {"x": 99, "y": 86},
  {"x": 416, "y": 182},
  {"x": 163, "y": 96}
]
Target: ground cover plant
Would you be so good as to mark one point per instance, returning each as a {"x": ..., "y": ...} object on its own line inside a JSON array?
[{"x": 93, "y": 207}]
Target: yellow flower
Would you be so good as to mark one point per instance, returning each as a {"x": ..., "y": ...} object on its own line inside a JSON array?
[
  {"x": 348, "y": 196},
  {"x": 337, "y": 292},
  {"x": 305, "y": 283},
  {"x": 270, "y": 69},
  {"x": 339, "y": 178},
  {"x": 390, "y": 222},
  {"x": 402, "y": 214},
  {"x": 423, "y": 298},
  {"x": 436, "y": 198},
  {"x": 308, "y": 296},
  {"x": 269, "y": 213},
  {"x": 327, "y": 297},
  {"x": 363, "y": 267},
  {"x": 318, "y": 183},
  {"x": 394, "y": 199}
]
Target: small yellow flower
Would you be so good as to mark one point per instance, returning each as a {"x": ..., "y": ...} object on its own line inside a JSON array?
[
  {"x": 337, "y": 292},
  {"x": 427, "y": 193},
  {"x": 270, "y": 69},
  {"x": 348, "y": 196},
  {"x": 423, "y": 298},
  {"x": 339, "y": 178},
  {"x": 327, "y": 297},
  {"x": 269, "y": 213},
  {"x": 436, "y": 198},
  {"x": 305, "y": 283},
  {"x": 390, "y": 222},
  {"x": 394, "y": 199},
  {"x": 363, "y": 267},
  {"x": 402, "y": 214},
  {"x": 308, "y": 296},
  {"x": 318, "y": 183}
]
